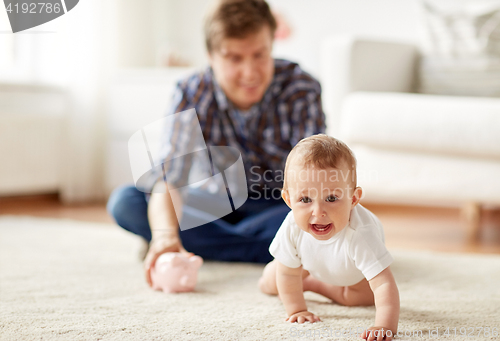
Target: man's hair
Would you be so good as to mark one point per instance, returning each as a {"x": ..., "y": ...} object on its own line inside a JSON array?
[
  {"x": 236, "y": 19},
  {"x": 321, "y": 152}
]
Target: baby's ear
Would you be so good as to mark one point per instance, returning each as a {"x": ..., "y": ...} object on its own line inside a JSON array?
[
  {"x": 286, "y": 197},
  {"x": 356, "y": 196}
]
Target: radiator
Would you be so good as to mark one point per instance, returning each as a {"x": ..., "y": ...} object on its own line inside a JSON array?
[{"x": 31, "y": 140}]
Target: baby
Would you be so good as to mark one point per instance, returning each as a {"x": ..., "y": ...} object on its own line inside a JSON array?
[{"x": 329, "y": 243}]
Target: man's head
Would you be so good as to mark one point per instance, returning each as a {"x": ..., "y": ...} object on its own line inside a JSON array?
[
  {"x": 320, "y": 185},
  {"x": 239, "y": 36}
]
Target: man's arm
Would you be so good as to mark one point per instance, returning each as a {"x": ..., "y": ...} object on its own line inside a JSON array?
[
  {"x": 164, "y": 223},
  {"x": 180, "y": 135}
]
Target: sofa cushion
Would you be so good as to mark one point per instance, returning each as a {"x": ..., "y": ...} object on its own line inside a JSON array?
[
  {"x": 463, "y": 51},
  {"x": 455, "y": 78},
  {"x": 467, "y": 126},
  {"x": 424, "y": 179}
]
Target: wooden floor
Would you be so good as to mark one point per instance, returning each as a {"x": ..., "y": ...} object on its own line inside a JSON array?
[{"x": 438, "y": 229}]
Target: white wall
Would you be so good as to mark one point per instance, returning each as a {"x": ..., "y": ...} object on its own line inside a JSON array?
[
  {"x": 311, "y": 22},
  {"x": 149, "y": 30}
]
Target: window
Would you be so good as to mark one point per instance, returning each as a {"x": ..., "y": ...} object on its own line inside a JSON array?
[{"x": 6, "y": 43}]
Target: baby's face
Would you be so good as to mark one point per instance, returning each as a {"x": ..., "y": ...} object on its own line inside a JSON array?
[{"x": 321, "y": 199}]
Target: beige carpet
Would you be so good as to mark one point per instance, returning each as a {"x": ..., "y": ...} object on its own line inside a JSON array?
[{"x": 66, "y": 280}]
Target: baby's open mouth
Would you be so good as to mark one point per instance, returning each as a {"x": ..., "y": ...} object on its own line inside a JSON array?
[{"x": 321, "y": 229}]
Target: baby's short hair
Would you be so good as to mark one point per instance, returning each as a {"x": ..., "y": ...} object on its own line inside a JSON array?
[{"x": 322, "y": 151}]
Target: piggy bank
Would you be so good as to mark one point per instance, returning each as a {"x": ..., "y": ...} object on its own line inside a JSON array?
[{"x": 174, "y": 272}]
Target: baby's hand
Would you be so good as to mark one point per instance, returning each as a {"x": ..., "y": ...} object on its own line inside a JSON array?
[
  {"x": 377, "y": 333},
  {"x": 303, "y": 316}
]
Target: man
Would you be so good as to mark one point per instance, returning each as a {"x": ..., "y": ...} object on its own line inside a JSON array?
[{"x": 246, "y": 100}]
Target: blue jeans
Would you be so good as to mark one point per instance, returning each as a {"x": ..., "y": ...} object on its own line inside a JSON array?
[{"x": 243, "y": 236}]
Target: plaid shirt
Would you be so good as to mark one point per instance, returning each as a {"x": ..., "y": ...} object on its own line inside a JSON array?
[{"x": 264, "y": 135}]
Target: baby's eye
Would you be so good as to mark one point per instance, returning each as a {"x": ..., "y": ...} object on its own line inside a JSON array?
[
  {"x": 332, "y": 198},
  {"x": 305, "y": 200}
]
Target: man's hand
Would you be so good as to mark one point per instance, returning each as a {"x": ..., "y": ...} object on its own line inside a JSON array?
[
  {"x": 164, "y": 224},
  {"x": 303, "y": 316},
  {"x": 158, "y": 247},
  {"x": 378, "y": 334}
]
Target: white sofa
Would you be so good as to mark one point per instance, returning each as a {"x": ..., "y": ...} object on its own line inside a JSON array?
[{"x": 411, "y": 148}]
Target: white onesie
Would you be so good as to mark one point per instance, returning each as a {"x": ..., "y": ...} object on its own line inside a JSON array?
[{"x": 356, "y": 252}]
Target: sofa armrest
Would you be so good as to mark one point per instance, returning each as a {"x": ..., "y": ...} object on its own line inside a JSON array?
[{"x": 350, "y": 63}]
